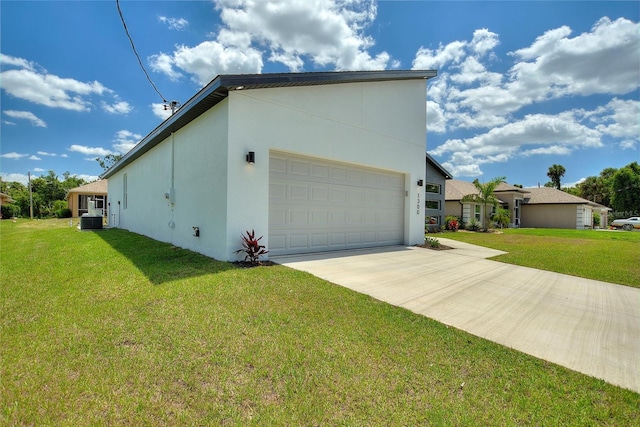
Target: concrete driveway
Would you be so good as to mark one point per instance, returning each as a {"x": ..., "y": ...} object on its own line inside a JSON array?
[{"x": 589, "y": 326}]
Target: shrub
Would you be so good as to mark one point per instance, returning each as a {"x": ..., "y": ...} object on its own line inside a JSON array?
[
  {"x": 63, "y": 213},
  {"x": 596, "y": 219},
  {"x": 9, "y": 211},
  {"x": 432, "y": 241},
  {"x": 473, "y": 225},
  {"x": 251, "y": 247},
  {"x": 451, "y": 223}
]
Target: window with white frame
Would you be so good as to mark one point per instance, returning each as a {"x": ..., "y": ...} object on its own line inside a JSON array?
[{"x": 477, "y": 213}]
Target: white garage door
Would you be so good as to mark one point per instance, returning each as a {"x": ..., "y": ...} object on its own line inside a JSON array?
[{"x": 317, "y": 205}]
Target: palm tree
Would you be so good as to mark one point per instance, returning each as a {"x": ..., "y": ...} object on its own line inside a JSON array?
[
  {"x": 502, "y": 217},
  {"x": 484, "y": 196},
  {"x": 555, "y": 173}
]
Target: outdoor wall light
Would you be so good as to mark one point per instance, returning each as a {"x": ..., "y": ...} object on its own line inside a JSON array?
[
  {"x": 420, "y": 183},
  {"x": 251, "y": 157}
]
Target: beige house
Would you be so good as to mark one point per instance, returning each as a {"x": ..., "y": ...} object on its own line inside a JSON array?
[
  {"x": 551, "y": 208},
  {"x": 529, "y": 207},
  {"x": 78, "y": 198},
  {"x": 4, "y": 199},
  {"x": 510, "y": 197}
]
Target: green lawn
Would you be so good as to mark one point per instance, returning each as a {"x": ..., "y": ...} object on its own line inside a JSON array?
[
  {"x": 112, "y": 328},
  {"x": 610, "y": 256}
]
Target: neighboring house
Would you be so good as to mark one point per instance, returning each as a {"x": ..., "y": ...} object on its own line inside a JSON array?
[
  {"x": 510, "y": 197},
  {"x": 434, "y": 193},
  {"x": 529, "y": 207},
  {"x": 78, "y": 198},
  {"x": 313, "y": 161},
  {"x": 551, "y": 208},
  {"x": 4, "y": 199}
]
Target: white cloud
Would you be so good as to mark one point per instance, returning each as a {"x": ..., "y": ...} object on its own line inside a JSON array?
[
  {"x": 468, "y": 94},
  {"x": 604, "y": 60},
  {"x": 545, "y": 134},
  {"x": 619, "y": 118},
  {"x": 178, "y": 24},
  {"x": 27, "y": 115},
  {"x": 161, "y": 111},
  {"x": 39, "y": 170},
  {"x": 33, "y": 157},
  {"x": 13, "y": 155},
  {"x": 557, "y": 150},
  {"x": 90, "y": 151},
  {"x": 428, "y": 59},
  {"x": 7, "y": 122},
  {"x": 118, "y": 107},
  {"x": 324, "y": 32},
  {"x": 435, "y": 117},
  {"x": 50, "y": 90},
  {"x": 18, "y": 62},
  {"x": 484, "y": 41},
  {"x": 64, "y": 155},
  {"x": 125, "y": 141},
  {"x": 33, "y": 83},
  {"x": 44, "y": 153}
]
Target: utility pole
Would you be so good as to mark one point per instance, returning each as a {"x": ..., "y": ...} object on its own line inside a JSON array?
[{"x": 30, "y": 197}]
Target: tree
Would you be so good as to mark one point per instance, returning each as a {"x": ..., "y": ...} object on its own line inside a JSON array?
[
  {"x": 109, "y": 160},
  {"x": 625, "y": 184},
  {"x": 484, "y": 196},
  {"x": 555, "y": 173},
  {"x": 501, "y": 217}
]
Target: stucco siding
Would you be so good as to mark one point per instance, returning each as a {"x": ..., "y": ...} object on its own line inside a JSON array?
[
  {"x": 377, "y": 125},
  {"x": 336, "y": 122},
  {"x": 197, "y": 156},
  {"x": 549, "y": 216}
]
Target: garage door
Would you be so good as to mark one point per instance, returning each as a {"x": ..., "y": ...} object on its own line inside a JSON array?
[{"x": 317, "y": 205}]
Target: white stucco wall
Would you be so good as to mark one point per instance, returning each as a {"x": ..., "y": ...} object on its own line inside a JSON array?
[
  {"x": 199, "y": 153},
  {"x": 379, "y": 125}
]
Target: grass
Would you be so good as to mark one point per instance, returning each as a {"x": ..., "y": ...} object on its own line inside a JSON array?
[
  {"x": 112, "y": 328},
  {"x": 609, "y": 256}
]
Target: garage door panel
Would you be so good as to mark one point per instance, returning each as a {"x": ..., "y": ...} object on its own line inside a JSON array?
[{"x": 316, "y": 205}]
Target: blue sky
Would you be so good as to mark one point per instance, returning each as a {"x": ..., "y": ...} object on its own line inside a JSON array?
[{"x": 521, "y": 85}]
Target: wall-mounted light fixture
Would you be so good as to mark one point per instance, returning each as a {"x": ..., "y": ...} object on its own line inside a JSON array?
[
  {"x": 251, "y": 157},
  {"x": 420, "y": 183}
]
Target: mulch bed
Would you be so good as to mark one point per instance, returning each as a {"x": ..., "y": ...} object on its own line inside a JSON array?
[
  {"x": 439, "y": 248},
  {"x": 249, "y": 264}
]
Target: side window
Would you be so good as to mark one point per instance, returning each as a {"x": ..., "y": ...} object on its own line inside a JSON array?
[
  {"x": 477, "y": 213},
  {"x": 124, "y": 192},
  {"x": 433, "y": 204},
  {"x": 433, "y": 188}
]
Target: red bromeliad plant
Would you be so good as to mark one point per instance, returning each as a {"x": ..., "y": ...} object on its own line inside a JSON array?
[{"x": 252, "y": 247}]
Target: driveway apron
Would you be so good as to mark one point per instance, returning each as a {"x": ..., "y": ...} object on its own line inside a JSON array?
[{"x": 586, "y": 325}]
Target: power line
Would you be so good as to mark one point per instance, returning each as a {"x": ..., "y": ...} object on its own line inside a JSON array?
[{"x": 126, "y": 30}]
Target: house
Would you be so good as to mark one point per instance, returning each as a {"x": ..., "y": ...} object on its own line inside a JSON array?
[
  {"x": 529, "y": 207},
  {"x": 4, "y": 199},
  {"x": 435, "y": 193},
  {"x": 509, "y": 196},
  {"x": 551, "y": 208},
  {"x": 314, "y": 162},
  {"x": 78, "y": 198}
]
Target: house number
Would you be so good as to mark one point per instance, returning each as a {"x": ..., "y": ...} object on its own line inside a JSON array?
[{"x": 418, "y": 208}]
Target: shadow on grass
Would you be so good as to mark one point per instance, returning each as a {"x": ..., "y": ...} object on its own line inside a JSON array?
[{"x": 161, "y": 262}]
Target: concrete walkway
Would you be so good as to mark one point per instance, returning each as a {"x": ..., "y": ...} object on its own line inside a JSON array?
[{"x": 589, "y": 326}]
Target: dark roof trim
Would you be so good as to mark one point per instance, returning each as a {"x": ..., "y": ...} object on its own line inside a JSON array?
[
  {"x": 439, "y": 167},
  {"x": 218, "y": 89}
]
